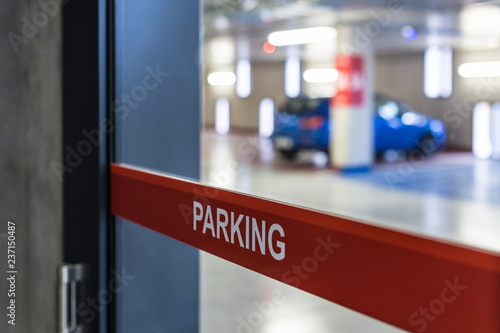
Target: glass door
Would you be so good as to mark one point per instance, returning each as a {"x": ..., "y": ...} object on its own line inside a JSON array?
[
  {"x": 288, "y": 266},
  {"x": 157, "y": 115}
]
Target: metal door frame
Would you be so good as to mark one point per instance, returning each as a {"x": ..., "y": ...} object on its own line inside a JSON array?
[{"x": 88, "y": 88}]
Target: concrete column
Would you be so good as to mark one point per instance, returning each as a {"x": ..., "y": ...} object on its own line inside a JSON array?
[
  {"x": 30, "y": 140},
  {"x": 351, "y": 130}
]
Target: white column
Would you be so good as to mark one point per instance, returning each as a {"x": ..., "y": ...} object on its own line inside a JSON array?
[{"x": 352, "y": 126}]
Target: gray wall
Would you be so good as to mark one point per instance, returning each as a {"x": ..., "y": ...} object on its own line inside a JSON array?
[
  {"x": 398, "y": 75},
  {"x": 30, "y": 140}
]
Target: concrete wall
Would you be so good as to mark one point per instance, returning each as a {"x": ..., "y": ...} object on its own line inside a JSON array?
[
  {"x": 30, "y": 140},
  {"x": 398, "y": 75}
]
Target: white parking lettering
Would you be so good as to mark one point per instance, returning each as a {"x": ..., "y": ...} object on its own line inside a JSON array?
[
  {"x": 235, "y": 229},
  {"x": 209, "y": 221},
  {"x": 222, "y": 224},
  {"x": 258, "y": 230}
]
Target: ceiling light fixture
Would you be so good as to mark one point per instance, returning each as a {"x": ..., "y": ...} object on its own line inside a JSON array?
[
  {"x": 302, "y": 36},
  {"x": 479, "y": 69},
  {"x": 321, "y": 75},
  {"x": 221, "y": 78}
]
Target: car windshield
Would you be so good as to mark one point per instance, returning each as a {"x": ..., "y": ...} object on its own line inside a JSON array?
[
  {"x": 389, "y": 108},
  {"x": 300, "y": 105}
]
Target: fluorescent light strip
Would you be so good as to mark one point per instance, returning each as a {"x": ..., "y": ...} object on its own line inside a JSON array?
[
  {"x": 222, "y": 116},
  {"x": 243, "y": 78},
  {"x": 431, "y": 70},
  {"x": 446, "y": 72},
  {"x": 495, "y": 130},
  {"x": 221, "y": 78},
  {"x": 479, "y": 69},
  {"x": 321, "y": 75},
  {"x": 266, "y": 117},
  {"x": 292, "y": 77},
  {"x": 438, "y": 73},
  {"x": 302, "y": 36},
  {"x": 481, "y": 129}
]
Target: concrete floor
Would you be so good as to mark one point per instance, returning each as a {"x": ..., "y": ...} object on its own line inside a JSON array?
[{"x": 452, "y": 196}]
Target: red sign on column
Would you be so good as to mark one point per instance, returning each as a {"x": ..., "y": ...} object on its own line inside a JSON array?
[{"x": 351, "y": 81}]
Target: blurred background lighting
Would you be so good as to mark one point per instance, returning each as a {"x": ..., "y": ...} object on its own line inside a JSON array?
[
  {"x": 438, "y": 72},
  {"x": 266, "y": 117},
  {"x": 495, "y": 130},
  {"x": 388, "y": 110},
  {"x": 222, "y": 117},
  {"x": 221, "y": 23},
  {"x": 410, "y": 118},
  {"x": 221, "y": 78},
  {"x": 436, "y": 125},
  {"x": 481, "y": 130},
  {"x": 268, "y": 48},
  {"x": 243, "y": 78},
  {"x": 302, "y": 36},
  {"x": 320, "y": 159},
  {"x": 479, "y": 69},
  {"x": 480, "y": 20},
  {"x": 292, "y": 77},
  {"x": 321, "y": 75},
  {"x": 409, "y": 33}
]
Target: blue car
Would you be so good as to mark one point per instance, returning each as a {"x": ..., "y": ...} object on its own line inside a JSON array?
[{"x": 303, "y": 123}]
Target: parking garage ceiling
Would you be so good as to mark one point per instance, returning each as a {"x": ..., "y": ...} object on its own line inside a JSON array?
[
  {"x": 468, "y": 24},
  {"x": 248, "y": 5}
]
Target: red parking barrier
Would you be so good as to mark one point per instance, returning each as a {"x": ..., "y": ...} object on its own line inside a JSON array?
[{"x": 412, "y": 282}]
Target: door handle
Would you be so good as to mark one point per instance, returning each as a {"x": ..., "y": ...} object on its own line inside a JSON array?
[{"x": 71, "y": 279}]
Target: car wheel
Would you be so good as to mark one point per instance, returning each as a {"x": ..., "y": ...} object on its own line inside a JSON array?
[
  {"x": 428, "y": 145},
  {"x": 290, "y": 154}
]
